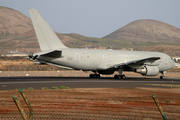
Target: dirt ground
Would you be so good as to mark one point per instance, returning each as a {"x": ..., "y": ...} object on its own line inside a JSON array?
[{"x": 125, "y": 102}]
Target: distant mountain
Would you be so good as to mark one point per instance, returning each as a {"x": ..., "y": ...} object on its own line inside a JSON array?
[{"x": 148, "y": 31}]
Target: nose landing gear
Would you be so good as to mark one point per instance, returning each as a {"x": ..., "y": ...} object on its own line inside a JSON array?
[{"x": 162, "y": 76}]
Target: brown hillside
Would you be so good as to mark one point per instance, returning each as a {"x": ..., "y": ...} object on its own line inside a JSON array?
[
  {"x": 147, "y": 30},
  {"x": 13, "y": 22},
  {"x": 17, "y": 32},
  {"x": 171, "y": 50}
]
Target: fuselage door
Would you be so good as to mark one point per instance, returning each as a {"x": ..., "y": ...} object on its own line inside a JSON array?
[{"x": 77, "y": 57}]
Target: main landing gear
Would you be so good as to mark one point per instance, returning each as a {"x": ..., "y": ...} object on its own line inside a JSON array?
[
  {"x": 94, "y": 76},
  {"x": 119, "y": 77}
]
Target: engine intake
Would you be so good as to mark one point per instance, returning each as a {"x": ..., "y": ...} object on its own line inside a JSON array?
[{"x": 148, "y": 70}]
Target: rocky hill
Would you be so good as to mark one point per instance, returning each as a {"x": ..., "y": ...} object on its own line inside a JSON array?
[
  {"x": 147, "y": 30},
  {"x": 13, "y": 22},
  {"x": 172, "y": 50}
]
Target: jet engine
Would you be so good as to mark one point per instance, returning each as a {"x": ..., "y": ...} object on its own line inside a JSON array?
[{"x": 148, "y": 70}]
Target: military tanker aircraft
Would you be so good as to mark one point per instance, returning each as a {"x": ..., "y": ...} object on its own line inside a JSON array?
[{"x": 54, "y": 52}]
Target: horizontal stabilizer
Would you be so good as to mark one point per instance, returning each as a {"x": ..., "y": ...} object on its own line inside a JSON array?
[
  {"x": 21, "y": 52},
  {"x": 54, "y": 53},
  {"x": 64, "y": 67}
]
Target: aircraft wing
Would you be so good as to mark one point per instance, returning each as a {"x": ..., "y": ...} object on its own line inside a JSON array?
[{"x": 136, "y": 62}]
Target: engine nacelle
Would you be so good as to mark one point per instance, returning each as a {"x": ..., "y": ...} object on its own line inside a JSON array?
[{"x": 148, "y": 70}]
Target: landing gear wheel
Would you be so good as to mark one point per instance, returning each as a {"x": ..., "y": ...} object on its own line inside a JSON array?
[
  {"x": 98, "y": 76},
  {"x": 162, "y": 77},
  {"x": 119, "y": 77},
  {"x": 94, "y": 76},
  {"x": 115, "y": 76},
  {"x": 123, "y": 77},
  {"x": 91, "y": 76}
]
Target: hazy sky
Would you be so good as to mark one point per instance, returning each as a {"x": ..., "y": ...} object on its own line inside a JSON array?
[{"x": 97, "y": 18}]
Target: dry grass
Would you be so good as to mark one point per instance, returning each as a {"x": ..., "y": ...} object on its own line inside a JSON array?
[{"x": 135, "y": 103}]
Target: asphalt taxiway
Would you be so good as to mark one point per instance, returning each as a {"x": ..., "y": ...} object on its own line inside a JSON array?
[{"x": 11, "y": 83}]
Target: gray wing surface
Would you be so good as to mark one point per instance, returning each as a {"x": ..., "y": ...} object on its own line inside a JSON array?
[
  {"x": 135, "y": 62},
  {"x": 47, "y": 39}
]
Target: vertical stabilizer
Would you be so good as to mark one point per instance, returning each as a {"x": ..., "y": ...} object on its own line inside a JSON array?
[{"x": 47, "y": 39}]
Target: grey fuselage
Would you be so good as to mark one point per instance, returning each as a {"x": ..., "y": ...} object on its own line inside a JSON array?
[
  {"x": 54, "y": 52},
  {"x": 94, "y": 59}
]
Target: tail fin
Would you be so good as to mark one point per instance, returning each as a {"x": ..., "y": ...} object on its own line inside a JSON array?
[{"x": 47, "y": 39}]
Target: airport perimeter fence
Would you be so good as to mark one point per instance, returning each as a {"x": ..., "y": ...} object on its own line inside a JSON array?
[{"x": 59, "y": 116}]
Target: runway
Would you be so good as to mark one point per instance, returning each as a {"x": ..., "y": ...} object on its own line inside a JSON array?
[{"x": 11, "y": 83}]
